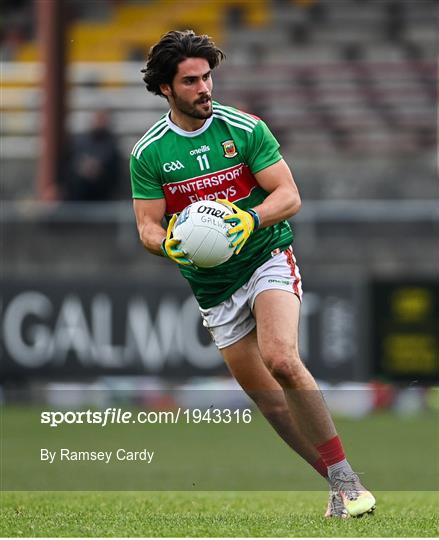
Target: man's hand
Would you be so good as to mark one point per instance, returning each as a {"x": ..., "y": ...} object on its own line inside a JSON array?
[
  {"x": 246, "y": 222},
  {"x": 170, "y": 246}
]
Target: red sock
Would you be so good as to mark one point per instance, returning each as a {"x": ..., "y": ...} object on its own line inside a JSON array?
[
  {"x": 321, "y": 468},
  {"x": 331, "y": 451}
]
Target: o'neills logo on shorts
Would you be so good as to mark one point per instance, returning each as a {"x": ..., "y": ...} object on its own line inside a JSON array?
[{"x": 233, "y": 183}]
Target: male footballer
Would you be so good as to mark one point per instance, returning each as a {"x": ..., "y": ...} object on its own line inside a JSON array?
[{"x": 204, "y": 150}]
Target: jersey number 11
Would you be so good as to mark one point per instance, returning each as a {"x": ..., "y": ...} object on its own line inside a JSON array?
[{"x": 203, "y": 162}]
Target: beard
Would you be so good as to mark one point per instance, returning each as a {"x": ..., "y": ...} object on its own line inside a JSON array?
[{"x": 194, "y": 109}]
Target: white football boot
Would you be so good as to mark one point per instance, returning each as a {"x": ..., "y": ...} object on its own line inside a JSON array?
[
  {"x": 336, "y": 508},
  {"x": 356, "y": 498}
]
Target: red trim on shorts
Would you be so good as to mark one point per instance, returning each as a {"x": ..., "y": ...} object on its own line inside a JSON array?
[
  {"x": 289, "y": 254},
  {"x": 290, "y": 260}
]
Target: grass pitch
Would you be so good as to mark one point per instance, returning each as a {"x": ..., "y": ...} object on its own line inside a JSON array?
[
  {"x": 395, "y": 453},
  {"x": 398, "y": 454},
  {"x": 209, "y": 514}
]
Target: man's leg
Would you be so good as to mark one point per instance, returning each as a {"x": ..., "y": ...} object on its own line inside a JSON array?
[
  {"x": 277, "y": 322},
  {"x": 246, "y": 365}
]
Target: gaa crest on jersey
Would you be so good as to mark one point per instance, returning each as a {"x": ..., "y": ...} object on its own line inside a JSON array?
[{"x": 229, "y": 149}]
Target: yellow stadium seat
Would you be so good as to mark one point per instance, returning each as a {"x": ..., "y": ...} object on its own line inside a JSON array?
[{"x": 141, "y": 25}]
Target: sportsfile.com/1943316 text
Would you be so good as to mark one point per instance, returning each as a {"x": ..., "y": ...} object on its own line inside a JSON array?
[{"x": 112, "y": 415}]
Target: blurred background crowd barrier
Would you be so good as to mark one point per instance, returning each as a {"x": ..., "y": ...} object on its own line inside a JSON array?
[{"x": 349, "y": 87}]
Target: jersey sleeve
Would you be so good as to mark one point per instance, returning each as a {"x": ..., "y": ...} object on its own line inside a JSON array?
[
  {"x": 263, "y": 148},
  {"x": 145, "y": 182}
]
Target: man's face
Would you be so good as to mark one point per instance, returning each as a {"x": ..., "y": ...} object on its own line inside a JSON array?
[{"x": 190, "y": 92}]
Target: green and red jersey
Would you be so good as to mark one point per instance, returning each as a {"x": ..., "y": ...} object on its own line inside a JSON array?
[{"x": 217, "y": 161}]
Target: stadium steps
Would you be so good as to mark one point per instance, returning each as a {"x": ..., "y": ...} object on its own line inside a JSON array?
[
  {"x": 310, "y": 87},
  {"x": 135, "y": 27}
]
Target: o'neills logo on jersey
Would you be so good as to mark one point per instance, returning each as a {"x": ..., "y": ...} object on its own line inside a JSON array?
[
  {"x": 233, "y": 183},
  {"x": 229, "y": 148}
]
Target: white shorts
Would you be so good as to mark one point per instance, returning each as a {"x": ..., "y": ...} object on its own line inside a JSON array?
[{"x": 233, "y": 319}]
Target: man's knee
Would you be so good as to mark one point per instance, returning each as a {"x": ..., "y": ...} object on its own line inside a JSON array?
[{"x": 285, "y": 368}]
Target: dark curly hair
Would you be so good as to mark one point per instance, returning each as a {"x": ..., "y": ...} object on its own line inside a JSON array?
[{"x": 174, "y": 47}]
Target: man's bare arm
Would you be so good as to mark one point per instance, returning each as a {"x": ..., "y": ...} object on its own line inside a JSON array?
[
  {"x": 149, "y": 215},
  {"x": 283, "y": 200}
]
